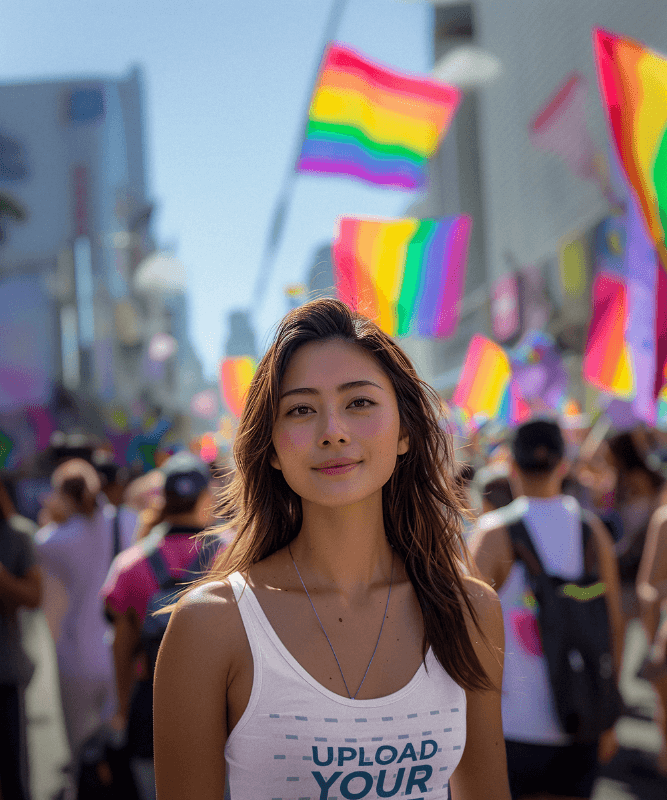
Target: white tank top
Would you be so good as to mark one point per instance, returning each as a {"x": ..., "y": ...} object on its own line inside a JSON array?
[
  {"x": 554, "y": 526},
  {"x": 297, "y": 740}
]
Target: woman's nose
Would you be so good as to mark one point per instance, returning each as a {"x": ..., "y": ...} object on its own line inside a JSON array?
[{"x": 333, "y": 430}]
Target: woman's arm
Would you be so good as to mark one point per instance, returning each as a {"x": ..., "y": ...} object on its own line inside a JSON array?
[
  {"x": 192, "y": 677},
  {"x": 652, "y": 573},
  {"x": 482, "y": 771},
  {"x": 16, "y": 592},
  {"x": 608, "y": 574},
  {"x": 55, "y": 602}
]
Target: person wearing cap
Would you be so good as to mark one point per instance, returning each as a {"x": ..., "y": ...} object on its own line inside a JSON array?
[
  {"x": 542, "y": 759},
  {"x": 130, "y": 585}
]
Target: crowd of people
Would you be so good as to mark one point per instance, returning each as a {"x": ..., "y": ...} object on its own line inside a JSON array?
[
  {"x": 86, "y": 564},
  {"x": 373, "y": 619}
]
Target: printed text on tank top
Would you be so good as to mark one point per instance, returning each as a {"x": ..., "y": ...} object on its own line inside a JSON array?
[{"x": 298, "y": 739}]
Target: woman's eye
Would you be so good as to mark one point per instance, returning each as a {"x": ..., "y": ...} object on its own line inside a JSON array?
[
  {"x": 362, "y": 402},
  {"x": 299, "y": 411}
]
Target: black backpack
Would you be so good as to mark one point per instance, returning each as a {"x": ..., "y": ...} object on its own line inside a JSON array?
[
  {"x": 574, "y": 627},
  {"x": 154, "y": 624}
]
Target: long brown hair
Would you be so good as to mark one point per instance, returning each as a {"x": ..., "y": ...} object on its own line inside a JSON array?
[{"x": 421, "y": 508}]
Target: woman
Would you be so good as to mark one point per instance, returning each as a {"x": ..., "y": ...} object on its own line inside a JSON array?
[
  {"x": 75, "y": 551},
  {"x": 636, "y": 498},
  {"x": 337, "y": 649}
]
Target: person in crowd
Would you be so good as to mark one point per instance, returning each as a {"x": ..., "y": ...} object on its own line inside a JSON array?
[
  {"x": 129, "y": 587},
  {"x": 464, "y": 476},
  {"x": 542, "y": 760},
  {"x": 636, "y": 497},
  {"x": 145, "y": 496},
  {"x": 492, "y": 484},
  {"x": 337, "y": 648},
  {"x": 114, "y": 480},
  {"x": 75, "y": 551},
  {"x": 652, "y": 596},
  {"x": 20, "y": 587}
]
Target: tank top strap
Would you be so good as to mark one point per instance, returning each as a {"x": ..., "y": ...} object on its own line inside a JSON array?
[{"x": 248, "y": 609}]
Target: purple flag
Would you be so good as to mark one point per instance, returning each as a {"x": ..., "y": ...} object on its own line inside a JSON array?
[
  {"x": 641, "y": 265},
  {"x": 539, "y": 371}
]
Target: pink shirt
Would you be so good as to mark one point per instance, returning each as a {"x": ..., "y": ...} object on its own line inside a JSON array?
[{"x": 131, "y": 582}]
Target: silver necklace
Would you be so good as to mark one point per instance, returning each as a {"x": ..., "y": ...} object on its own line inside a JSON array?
[{"x": 386, "y": 608}]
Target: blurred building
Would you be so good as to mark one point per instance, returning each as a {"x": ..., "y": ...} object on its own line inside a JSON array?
[
  {"x": 74, "y": 316},
  {"x": 240, "y": 339},
  {"x": 532, "y": 215}
]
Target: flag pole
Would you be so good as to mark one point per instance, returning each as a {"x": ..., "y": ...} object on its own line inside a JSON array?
[{"x": 284, "y": 200}]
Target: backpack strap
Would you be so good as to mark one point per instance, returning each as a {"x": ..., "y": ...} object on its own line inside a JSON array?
[
  {"x": 116, "y": 533},
  {"x": 590, "y": 549},
  {"x": 160, "y": 568},
  {"x": 203, "y": 557},
  {"x": 161, "y": 571},
  {"x": 523, "y": 548}
]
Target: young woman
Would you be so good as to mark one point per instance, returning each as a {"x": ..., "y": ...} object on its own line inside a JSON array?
[
  {"x": 337, "y": 649},
  {"x": 75, "y": 551}
]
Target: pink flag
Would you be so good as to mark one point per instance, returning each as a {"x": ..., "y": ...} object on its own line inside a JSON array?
[{"x": 560, "y": 127}]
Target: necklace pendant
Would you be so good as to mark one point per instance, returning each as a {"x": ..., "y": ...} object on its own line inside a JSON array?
[{"x": 312, "y": 605}]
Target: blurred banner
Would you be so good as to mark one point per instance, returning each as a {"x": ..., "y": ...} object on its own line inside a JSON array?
[{"x": 26, "y": 354}]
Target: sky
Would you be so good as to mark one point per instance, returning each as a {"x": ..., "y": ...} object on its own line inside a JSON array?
[{"x": 226, "y": 90}]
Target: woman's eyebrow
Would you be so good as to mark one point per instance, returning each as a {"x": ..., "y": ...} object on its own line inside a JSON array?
[{"x": 342, "y": 388}]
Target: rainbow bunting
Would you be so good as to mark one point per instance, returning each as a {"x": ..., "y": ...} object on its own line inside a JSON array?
[
  {"x": 607, "y": 361},
  {"x": 235, "y": 377},
  {"x": 372, "y": 123},
  {"x": 633, "y": 85},
  {"x": 407, "y": 275},
  {"x": 482, "y": 390}
]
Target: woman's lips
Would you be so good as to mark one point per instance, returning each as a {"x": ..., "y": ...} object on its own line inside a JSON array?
[{"x": 337, "y": 469}]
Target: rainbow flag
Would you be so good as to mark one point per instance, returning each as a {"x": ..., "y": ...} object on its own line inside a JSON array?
[
  {"x": 607, "y": 361},
  {"x": 482, "y": 390},
  {"x": 407, "y": 275},
  {"x": 514, "y": 410},
  {"x": 633, "y": 85},
  {"x": 372, "y": 123},
  {"x": 661, "y": 414},
  {"x": 235, "y": 377}
]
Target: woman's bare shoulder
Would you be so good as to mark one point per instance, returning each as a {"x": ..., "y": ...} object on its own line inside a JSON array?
[{"x": 207, "y": 616}]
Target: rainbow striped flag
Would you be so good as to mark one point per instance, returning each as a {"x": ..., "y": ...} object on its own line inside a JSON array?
[
  {"x": 661, "y": 415},
  {"x": 407, "y": 274},
  {"x": 482, "y": 390},
  {"x": 607, "y": 361},
  {"x": 235, "y": 377},
  {"x": 372, "y": 123},
  {"x": 633, "y": 85}
]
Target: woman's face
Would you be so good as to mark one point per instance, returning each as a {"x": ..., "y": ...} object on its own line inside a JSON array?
[{"x": 338, "y": 433}]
